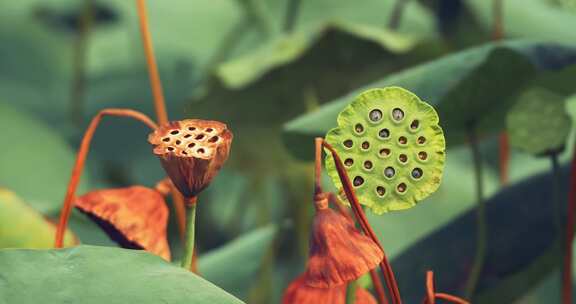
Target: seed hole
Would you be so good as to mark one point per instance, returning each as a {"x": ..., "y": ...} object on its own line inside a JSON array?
[
  {"x": 384, "y": 133},
  {"x": 380, "y": 190},
  {"x": 402, "y": 140},
  {"x": 187, "y": 135},
  {"x": 359, "y": 128},
  {"x": 165, "y": 139},
  {"x": 209, "y": 130},
  {"x": 178, "y": 142},
  {"x": 191, "y": 128},
  {"x": 397, "y": 114},
  {"x": 368, "y": 165},
  {"x": 174, "y": 132},
  {"x": 213, "y": 139},
  {"x": 170, "y": 149},
  {"x": 422, "y": 155},
  {"x": 365, "y": 145},
  {"x": 421, "y": 140},
  {"x": 199, "y": 136},
  {"x": 184, "y": 153},
  {"x": 201, "y": 150},
  {"x": 401, "y": 187},
  {"x": 385, "y": 152},
  {"x": 417, "y": 173},
  {"x": 375, "y": 115},
  {"x": 403, "y": 158},
  {"x": 358, "y": 181},
  {"x": 348, "y": 143},
  {"x": 191, "y": 145},
  {"x": 389, "y": 172},
  {"x": 415, "y": 124},
  {"x": 349, "y": 162}
]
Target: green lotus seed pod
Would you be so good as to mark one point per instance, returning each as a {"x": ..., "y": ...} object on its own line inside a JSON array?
[
  {"x": 538, "y": 122},
  {"x": 392, "y": 147}
]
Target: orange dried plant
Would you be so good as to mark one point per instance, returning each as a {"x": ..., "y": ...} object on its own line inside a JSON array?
[
  {"x": 298, "y": 292},
  {"x": 339, "y": 253},
  {"x": 135, "y": 217},
  {"x": 192, "y": 151}
]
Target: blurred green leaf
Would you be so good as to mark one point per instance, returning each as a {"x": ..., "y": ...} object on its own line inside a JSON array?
[
  {"x": 235, "y": 265},
  {"x": 529, "y": 19},
  {"x": 538, "y": 123},
  {"x": 23, "y": 227},
  {"x": 90, "y": 274},
  {"x": 35, "y": 162},
  {"x": 447, "y": 77}
]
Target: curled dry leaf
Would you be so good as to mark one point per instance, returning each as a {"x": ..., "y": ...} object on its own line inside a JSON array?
[
  {"x": 298, "y": 292},
  {"x": 135, "y": 217},
  {"x": 192, "y": 151},
  {"x": 339, "y": 253}
]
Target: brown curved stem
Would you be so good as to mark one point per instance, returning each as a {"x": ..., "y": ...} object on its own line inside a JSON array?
[
  {"x": 361, "y": 217},
  {"x": 450, "y": 298},
  {"x": 159, "y": 104},
  {"x": 81, "y": 158}
]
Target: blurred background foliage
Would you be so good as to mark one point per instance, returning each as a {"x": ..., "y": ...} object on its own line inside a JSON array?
[{"x": 278, "y": 72}]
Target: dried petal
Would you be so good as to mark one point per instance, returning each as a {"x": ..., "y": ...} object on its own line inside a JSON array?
[
  {"x": 339, "y": 253},
  {"x": 192, "y": 152},
  {"x": 135, "y": 217},
  {"x": 298, "y": 292}
]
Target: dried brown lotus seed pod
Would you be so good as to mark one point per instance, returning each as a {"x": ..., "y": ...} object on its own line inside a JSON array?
[{"x": 192, "y": 151}]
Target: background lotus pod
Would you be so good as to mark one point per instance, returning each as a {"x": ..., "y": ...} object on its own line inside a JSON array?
[
  {"x": 21, "y": 226},
  {"x": 192, "y": 151},
  {"x": 135, "y": 217},
  {"x": 392, "y": 147},
  {"x": 538, "y": 122},
  {"x": 298, "y": 292},
  {"x": 339, "y": 253}
]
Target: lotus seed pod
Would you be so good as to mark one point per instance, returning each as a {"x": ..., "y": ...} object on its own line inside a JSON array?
[
  {"x": 538, "y": 122},
  {"x": 392, "y": 148},
  {"x": 192, "y": 152},
  {"x": 135, "y": 217}
]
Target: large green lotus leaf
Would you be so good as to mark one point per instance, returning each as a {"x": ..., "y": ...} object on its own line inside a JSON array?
[
  {"x": 235, "y": 265},
  {"x": 432, "y": 81},
  {"x": 35, "y": 162},
  {"x": 392, "y": 147},
  {"x": 91, "y": 274},
  {"x": 23, "y": 227},
  {"x": 538, "y": 122},
  {"x": 529, "y": 18},
  {"x": 284, "y": 50}
]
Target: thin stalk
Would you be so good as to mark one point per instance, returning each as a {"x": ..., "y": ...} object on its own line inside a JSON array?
[
  {"x": 481, "y": 228},
  {"x": 498, "y": 16},
  {"x": 77, "y": 93},
  {"x": 504, "y": 157},
  {"x": 81, "y": 159},
  {"x": 292, "y": 10},
  {"x": 351, "y": 292},
  {"x": 190, "y": 235},
  {"x": 430, "y": 289},
  {"x": 378, "y": 287},
  {"x": 361, "y": 217},
  {"x": 318, "y": 166},
  {"x": 159, "y": 102},
  {"x": 569, "y": 236},
  {"x": 450, "y": 298},
  {"x": 396, "y": 15}
]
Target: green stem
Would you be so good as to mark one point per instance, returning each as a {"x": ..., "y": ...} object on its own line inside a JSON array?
[
  {"x": 480, "y": 217},
  {"x": 351, "y": 293},
  {"x": 190, "y": 232},
  {"x": 291, "y": 15}
]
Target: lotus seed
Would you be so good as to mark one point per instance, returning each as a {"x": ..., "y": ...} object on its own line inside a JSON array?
[
  {"x": 401, "y": 187},
  {"x": 414, "y": 125},
  {"x": 403, "y": 158},
  {"x": 402, "y": 140},
  {"x": 422, "y": 155},
  {"x": 421, "y": 140},
  {"x": 358, "y": 180},
  {"x": 397, "y": 114},
  {"x": 384, "y": 133},
  {"x": 368, "y": 164},
  {"x": 389, "y": 172},
  {"x": 349, "y": 162},
  {"x": 359, "y": 128},
  {"x": 385, "y": 152},
  {"x": 365, "y": 145},
  {"x": 381, "y": 190},
  {"x": 348, "y": 143},
  {"x": 375, "y": 115},
  {"x": 417, "y": 173}
]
